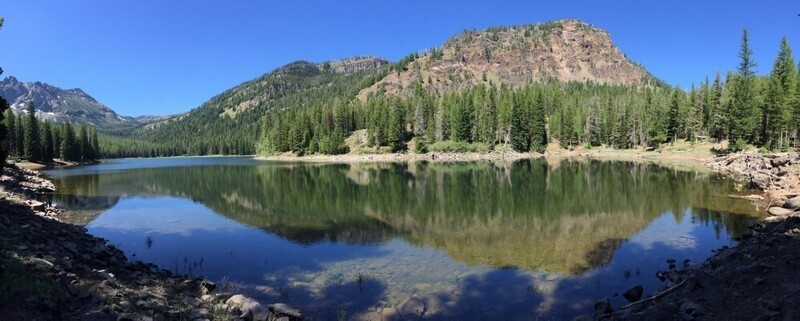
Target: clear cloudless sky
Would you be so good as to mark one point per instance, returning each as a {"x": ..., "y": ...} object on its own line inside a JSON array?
[{"x": 155, "y": 57}]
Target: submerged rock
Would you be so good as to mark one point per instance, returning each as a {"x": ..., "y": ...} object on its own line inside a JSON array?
[
  {"x": 282, "y": 311},
  {"x": 633, "y": 294},
  {"x": 603, "y": 307}
]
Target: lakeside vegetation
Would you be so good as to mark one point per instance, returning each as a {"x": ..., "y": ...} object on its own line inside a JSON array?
[
  {"x": 741, "y": 107},
  {"x": 27, "y": 137}
]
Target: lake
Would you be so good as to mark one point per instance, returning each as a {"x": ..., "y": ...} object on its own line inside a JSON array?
[{"x": 526, "y": 240}]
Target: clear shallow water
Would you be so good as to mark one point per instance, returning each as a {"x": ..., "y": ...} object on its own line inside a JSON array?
[{"x": 526, "y": 240}]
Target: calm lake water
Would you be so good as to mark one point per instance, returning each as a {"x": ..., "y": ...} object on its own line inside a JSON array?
[{"x": 539, "y": 239}]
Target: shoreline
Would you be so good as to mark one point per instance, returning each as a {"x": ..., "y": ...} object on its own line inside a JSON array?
[
  {"x": 99, "y": 282},
  {"x": 51, "y": 270}
]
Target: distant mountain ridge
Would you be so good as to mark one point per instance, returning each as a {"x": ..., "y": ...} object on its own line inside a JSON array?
[{"x": 57, "y": 104}]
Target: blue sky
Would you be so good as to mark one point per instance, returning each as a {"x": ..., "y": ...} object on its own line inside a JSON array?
[{"x": 163, "y": 57}]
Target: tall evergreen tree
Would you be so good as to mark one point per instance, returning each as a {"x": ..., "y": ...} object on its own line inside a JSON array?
[
  {"x": 538, "y": 123},
  {"x": 32, "y": 142},
  {"x": 718, "y": 120},
  {"x": 11, "y": 133},
  {"x": 743, "y": 120},
  {"x": 520, "y": 124},
  {"x": 67, "y": 149},
  {"x": 47, "y": 142},
  {"x": 84, "y": 149},
  {"x": 4, "y": 147},
  {"x": 95, "y": 145},
  {"x": 780, "y": 100},
  {"x": 673, "y": 124}
]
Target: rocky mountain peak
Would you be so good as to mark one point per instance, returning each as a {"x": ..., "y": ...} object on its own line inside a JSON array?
[{"x": 567, "y": 50}]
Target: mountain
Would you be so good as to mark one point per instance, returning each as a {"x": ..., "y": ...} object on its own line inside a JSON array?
[
  {"x": 566, "y": 50},
  {"x": 229, "y": 123},
  {"x": 306, "y": 94},
  {"x": 57, "y": 104}
]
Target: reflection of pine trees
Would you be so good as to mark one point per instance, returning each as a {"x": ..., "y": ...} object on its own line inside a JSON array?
[{"x": 528, "y": 214}]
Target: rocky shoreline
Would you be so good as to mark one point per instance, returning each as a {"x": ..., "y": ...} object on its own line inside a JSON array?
[
  {"x": 754, "y": 280},
  {"x": 50, "y": 270}
]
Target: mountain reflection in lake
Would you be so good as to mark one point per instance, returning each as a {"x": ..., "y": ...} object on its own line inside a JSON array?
[{"x": 523, "y": 240}]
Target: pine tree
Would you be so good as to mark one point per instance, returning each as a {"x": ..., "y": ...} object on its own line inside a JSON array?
[
  {"x": 83, "y": 144},
  {"x": 538, "y": 124},
  {"x": 32, "y": 142},
  {"x": 95, "y": 145},
  {"x": 19, "y": 137},
  {"x": 4, "y": 150},
  {"x": 742, "y": 120},
  {"x": 11, "y": 133},
  {"x": 520, "y": 124},
  {"x": 717, "y": 119},
  {"x": 780, "y": 99},
  {"x": 674, "y": 116},
  {"x": 67, "y": 148},
  {"x": 396, "y": 130},
  {"x": 47, "y": 142}
]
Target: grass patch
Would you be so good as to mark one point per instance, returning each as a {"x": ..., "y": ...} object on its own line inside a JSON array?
[{"x": 449, "y": 146}]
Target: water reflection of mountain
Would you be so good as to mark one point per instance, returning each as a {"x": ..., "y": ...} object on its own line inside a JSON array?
[{"x": 565, "y": 217}]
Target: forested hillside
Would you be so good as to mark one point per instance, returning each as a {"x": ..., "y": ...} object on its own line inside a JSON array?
[
  {"x": 229, "y": 123},
  {"x": 740, "y": 107},
  {"x": 503, "y": 88}
]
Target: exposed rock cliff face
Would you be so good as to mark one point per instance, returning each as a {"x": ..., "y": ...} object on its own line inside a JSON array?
[
  {"x": 567, "y": 50},
  {"x": 354, "y": 64}
]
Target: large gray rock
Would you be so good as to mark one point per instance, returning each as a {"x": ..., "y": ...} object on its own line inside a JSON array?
[
  {"x": 760, "y": 180},
  {"x": 603, "y": 307},
  {"x": 780, "y": 161},
  {"x": 248, "y": 306},
  {"x": 792, "y": 203},
  {"x": 779, "y": 211},
  {"x": 633, "y": 294},
  {"x": 282, "y": 311}
]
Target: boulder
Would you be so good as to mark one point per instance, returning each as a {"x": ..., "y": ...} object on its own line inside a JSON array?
[
  {"x": 603, "y": 307},
  {"x": 760, "y": 180},
  {"x": 633, "y": 294},
  {"x": 37, "y": 206},
  {"x": 282, "y": 311},
  {"x": 412, "y": 306},
  {"x": 779, "y": 211},
  {"x": 792, "y": 203},
  {"x": 40, "y": 263},
  {"x": 247, "y": 305},
  {"x": 208, "y": 286},
  {"x": 779, "y": 161}
]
